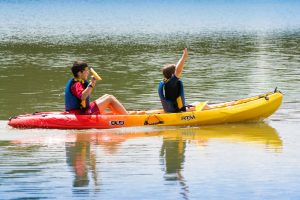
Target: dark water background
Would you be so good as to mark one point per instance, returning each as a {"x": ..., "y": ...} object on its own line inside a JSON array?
[{"x": 235, "y": 50}]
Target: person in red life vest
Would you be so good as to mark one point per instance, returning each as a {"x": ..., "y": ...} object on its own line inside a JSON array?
[{"x": 78, "y": 91}]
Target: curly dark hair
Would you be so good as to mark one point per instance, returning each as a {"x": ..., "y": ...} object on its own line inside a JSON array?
[{"x": 78, "y": 66}]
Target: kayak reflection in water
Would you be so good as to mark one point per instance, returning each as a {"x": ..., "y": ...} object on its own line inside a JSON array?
[{"x": 78, "y": 91}]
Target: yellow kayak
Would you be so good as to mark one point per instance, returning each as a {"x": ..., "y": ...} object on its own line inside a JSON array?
[{"x": 248, "y": 109}]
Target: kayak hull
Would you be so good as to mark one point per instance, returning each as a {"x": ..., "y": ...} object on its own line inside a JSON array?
[{"x": 247, "y": 109}]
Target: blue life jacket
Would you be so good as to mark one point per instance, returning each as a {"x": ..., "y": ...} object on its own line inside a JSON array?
[
  {"x": 171, "y": 106},
  {"x": 71, "y": 101}
]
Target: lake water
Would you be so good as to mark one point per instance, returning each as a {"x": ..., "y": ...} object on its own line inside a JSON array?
[{"x": 235, "y": 50}]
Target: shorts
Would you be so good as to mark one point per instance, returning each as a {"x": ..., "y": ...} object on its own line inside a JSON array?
[{"x": 93, "y": 109}]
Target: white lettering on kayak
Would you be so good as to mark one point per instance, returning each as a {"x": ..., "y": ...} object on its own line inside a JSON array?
[{"x": 118, "y": 123}]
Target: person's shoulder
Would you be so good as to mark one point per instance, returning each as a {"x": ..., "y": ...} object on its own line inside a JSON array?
[
  {"x": 77, "y": 84},
  {"x": 173, "y": 78},
  {"x": 172, "y": 81}
]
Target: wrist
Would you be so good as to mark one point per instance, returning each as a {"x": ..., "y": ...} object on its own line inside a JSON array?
[{"x": 91, "y": 86}]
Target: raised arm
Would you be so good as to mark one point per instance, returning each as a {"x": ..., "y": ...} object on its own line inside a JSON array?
[{"x": 180, "y": 64}]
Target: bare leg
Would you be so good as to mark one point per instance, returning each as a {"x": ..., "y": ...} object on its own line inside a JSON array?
[{"x": 109, "y": 101}]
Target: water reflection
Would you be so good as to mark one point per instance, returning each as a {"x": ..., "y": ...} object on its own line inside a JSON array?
[
  {"x": 82, "y": 159},
  {"x": 172, "y": 156},
  {"x": 81, "y": 146},
  {"x": 174, "y": 144}
]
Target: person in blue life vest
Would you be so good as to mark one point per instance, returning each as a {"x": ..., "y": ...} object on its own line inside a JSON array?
[
  {"x": 170, "y": 89},
  {"x": 78, "y": 91}
]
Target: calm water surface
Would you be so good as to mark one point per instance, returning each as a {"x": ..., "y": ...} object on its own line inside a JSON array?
[{"x": 235, "y": 50}]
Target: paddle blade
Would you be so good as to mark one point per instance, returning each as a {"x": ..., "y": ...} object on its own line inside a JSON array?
[
  {"x": 199, "y": 106},
  {"x": 96, "y": 76}
]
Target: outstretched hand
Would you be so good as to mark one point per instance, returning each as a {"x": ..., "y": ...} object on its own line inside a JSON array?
[
  {"x": 185, "y": 53},
  {"x": 179, "y": 65}
]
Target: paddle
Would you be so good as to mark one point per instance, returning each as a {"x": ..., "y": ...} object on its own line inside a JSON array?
[
  {"x": 199, "y": 106},
  {"x": 96, "y": 76}
]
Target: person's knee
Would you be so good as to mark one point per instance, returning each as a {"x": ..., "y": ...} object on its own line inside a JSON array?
[
  {"x": 105, "y": 96},
  {"x": 111, "y": 98},
  {"x": 108, "y": 98}
]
